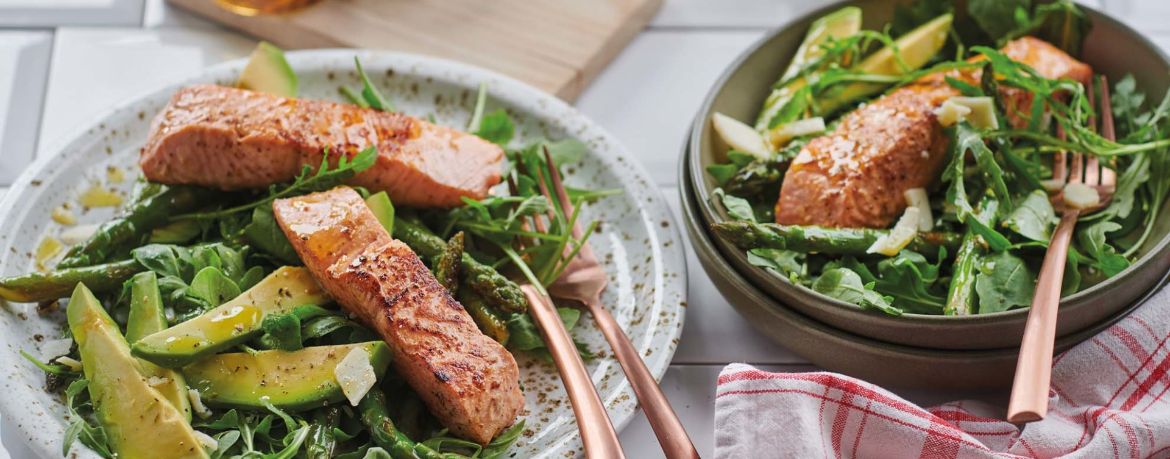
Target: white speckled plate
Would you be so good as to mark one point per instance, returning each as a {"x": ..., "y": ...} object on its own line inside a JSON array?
[{"x": 638, "y": 241}]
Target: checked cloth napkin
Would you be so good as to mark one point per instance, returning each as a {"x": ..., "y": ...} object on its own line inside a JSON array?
[{"x": 1109, "y": 399}]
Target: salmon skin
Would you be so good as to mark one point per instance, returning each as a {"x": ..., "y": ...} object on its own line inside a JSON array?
[
  {"x": 233, "y": 139},
  {"x": 467, "y": 380},
  {"x": 856, "y": 175}
]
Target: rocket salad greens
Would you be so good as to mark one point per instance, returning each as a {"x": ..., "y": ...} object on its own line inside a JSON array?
[
  {"x": 989, "y": 216},
  {"x": 181, "y": 254}
]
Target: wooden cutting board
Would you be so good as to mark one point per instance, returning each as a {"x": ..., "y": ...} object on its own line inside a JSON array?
[{"x": 556, "y": 45}]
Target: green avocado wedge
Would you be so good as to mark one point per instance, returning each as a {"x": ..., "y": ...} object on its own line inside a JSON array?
[
  {"x": 839, "y": 24},
  {"x": 294, "y": 381},
  {"x": 147, "y": 317},
  {"x": 233, "y": 322},
  {"x": 268, "y": 71},
  {"x": 139, "y": 421},
  {"x": 915, "y": 49}
]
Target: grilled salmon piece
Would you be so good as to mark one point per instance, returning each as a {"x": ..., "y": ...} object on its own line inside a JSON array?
[
  {"x": 469, "y": 381},
  {"x": 855, "y": 176},
  {"x": 233, "y": 139}
]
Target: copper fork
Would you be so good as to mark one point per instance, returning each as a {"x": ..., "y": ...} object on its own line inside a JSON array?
[
  {"x": 597, "y": 433},
  {"x": 583, "y": 280},
  {"x": 1029, "y": 399}
]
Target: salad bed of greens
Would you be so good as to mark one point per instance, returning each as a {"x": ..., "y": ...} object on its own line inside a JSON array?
[
  {"x": 992, "y": 218},
  {"x": 173, "y": 259}
]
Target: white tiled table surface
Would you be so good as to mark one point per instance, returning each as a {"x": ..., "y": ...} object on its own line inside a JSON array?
[{"x": 63, "y": 62}]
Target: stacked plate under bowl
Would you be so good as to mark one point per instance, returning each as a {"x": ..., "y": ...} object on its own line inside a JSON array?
[{"x": 912, "y": 350}]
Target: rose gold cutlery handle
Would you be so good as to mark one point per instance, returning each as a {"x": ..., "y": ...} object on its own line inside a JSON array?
[
  {"x": 597, "y": 432},
  {"x": 1029, "y": 400},
  {"x": 671, "y": 434}
]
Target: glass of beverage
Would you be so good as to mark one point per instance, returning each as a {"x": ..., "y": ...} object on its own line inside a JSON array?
[{"x": 255, "y": 7}]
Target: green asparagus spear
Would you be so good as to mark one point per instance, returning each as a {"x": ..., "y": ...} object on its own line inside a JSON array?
[
  {"x": 835, "y": 241},
  {"x": 961, "y": 292},
  {"x": 488, "y": 321},
  {"x": 143, "y": 216},
  {"x": 36, "y": 287},
  {"x": 761, "y": 175},
  {"x": 383, "y": 432},
  {"x": 498, "y": 291},
  {"x": 447, "y": 263}
]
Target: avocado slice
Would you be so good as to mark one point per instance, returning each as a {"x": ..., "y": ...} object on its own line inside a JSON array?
[
  {"x": 916, "y": 48},
  {"x": 268, "y": 71},
  {"x": 383, "y": 209},
  {"x": 147, "y": 317},
  {"x": 233, "y": 322},
  {"x": 297, "y": 380},
  {"x": 139, "y": 421},
  {"x": 839, "y": 24}
]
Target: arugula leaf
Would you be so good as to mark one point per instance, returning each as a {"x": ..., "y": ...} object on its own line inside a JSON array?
[
  {"x": 1034, "y": 218},
  {"x": 497, "y": 128},
  {"x": 264, "y": 233},
  {"x": 370, "y": 93},
  {"x": 165, "y": 260},
  {"x": 738, "y": 208},
  {"x": 785, "y": 263},
  {"x": 909, "y": 278},
  {"x": 1092, "y": 241},
  {"x": 1004, "y": 282},
  {"x": 283, "y": 332},
  {"x": 722, "y": 172},
  {"x": 739, "y": 158},
  {"x": 909, "y": 16},
  {"x": 1127, "y": 103},
  {"x": 308, "y": 181},
  {"x": 93, "y": 436},
  {"x": 525, "y": 336},
  {"x": 998, "y": 17},
  {"x": 845, "y": 285},
  {"x": 213, "y": 287},
  {"x": 1061, "y": 23}
]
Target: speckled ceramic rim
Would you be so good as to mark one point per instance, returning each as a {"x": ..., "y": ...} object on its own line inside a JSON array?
[
  {"x": 702, "y": 193},
  {"x": 658, "y": 343},
  {"x": 838, "y": 350}
]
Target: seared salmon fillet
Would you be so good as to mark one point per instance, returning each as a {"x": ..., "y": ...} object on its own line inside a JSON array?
[
  {"x": 231, "y": 139},
  {"x": 469, "y": 381},
  {"x": 856, "y": 175}
]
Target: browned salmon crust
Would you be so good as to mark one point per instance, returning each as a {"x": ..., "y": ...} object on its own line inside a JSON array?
[
  {"x": 233, "y": 139},
  {"x": 856, "y": 175},
  {"x": 469, "y": 381}
]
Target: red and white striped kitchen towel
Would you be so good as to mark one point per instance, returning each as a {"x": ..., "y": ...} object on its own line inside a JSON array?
[{"x": 1109, "y": 399}]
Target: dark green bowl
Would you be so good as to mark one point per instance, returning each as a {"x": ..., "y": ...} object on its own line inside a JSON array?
[
  {"x": 838, "y": 350},
  {"x": 1112, "y": 48}
]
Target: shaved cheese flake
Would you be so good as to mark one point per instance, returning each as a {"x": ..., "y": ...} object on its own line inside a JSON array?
[
  {"x": 54, "y": 348},
  {"x": 197, "y": 404},
  {"x": 950, "y": 113},
  {"x": 157, "y": 381},
  {"x": 739, "y": 136},
  {"x": 900, "y": 236},
  {"x": 1080, "y": 196},
  {"x": 78, "y": 234},
  {"x": 70, "y": 362},
  {"x": 355, "y": 375},
  {"x": 784, "y": 133},
  {"x": 209, "y": 443},
  {"x": 979, "y": 111},
  {"x": 917, "y": 197},
  {"x": 1052, "y": 186}
]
